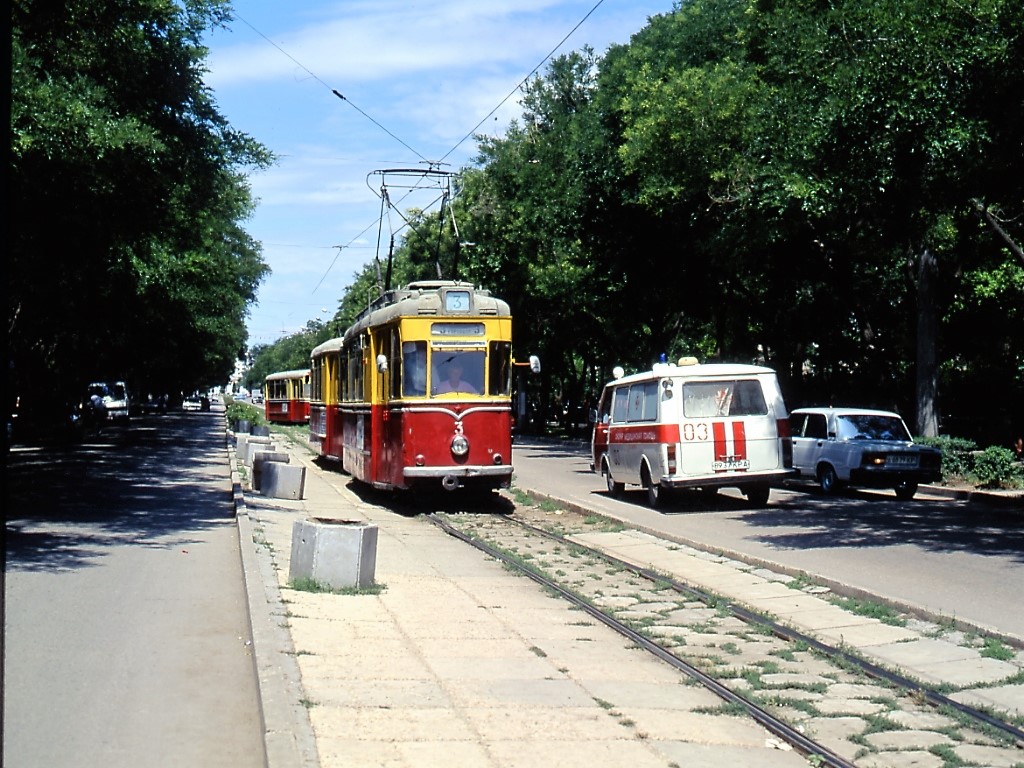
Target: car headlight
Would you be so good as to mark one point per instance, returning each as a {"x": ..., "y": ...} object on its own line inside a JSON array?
[{"x": 460, "y": 445}]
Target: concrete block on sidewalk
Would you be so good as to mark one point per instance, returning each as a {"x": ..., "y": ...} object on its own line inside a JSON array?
[
  {"x": 282, "y": 481},
  {"x": 338, "y": 553},
  {"x": 258, "y": 460},
  {"x": 254, "y": 445}
]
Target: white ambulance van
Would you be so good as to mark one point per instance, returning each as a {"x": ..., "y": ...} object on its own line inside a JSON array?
[{"x": 693, "y": 426}]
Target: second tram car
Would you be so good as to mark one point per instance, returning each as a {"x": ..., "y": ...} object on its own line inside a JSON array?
[
  {"x": 286, "y": 397},
  {"x": 418, "y": 390}
]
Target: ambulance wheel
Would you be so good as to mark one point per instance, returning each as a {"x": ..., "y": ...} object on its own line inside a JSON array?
[
  {"x": 655, "y": 493},
  {"x": 614, "y": 488},
  {"x": 757, "y": 495}
]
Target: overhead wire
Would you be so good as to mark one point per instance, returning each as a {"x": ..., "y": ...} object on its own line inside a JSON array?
[
  {"x": 337, "y": 93},
  {"x": 432, "y": 164},
  {"x": 523, "y": 82}
]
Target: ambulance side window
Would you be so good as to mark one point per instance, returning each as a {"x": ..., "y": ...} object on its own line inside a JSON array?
[
  {"x": 620, "y": 404},
  {"x": 604, "y": 412},
  {"x": 643, "y": 402}
]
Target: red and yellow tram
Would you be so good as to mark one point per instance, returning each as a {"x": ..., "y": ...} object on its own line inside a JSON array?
[
  {"x": 418, "y": 391},
  {"x": 286, "y": 397}
]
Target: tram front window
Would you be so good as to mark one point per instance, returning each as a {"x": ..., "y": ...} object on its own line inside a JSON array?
[{"x": 457, "y": 372}]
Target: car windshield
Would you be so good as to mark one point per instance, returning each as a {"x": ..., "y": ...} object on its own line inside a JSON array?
[{"x": 865, "y": 426}]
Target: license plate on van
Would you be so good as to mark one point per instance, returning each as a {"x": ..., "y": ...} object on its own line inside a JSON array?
[{"x": 722, "y": 466}]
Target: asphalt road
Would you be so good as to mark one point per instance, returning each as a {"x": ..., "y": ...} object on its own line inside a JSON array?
[
  {"x": 127, "y": 633},
  {"x": 948, "y": 558}
]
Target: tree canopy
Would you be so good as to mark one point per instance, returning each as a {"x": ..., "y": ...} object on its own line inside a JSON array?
[{"x": 128, "y": 258}]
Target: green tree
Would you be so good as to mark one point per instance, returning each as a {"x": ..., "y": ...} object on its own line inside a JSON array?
[
  {"x": 127, "y": 256},
  {"x": 825, "y": 158}
]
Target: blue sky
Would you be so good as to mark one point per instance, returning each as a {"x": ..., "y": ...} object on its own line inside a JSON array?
[{"x": 418, "y": 76}]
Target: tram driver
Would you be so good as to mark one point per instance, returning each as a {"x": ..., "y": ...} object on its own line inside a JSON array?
[{"x": 451, "y": 380}]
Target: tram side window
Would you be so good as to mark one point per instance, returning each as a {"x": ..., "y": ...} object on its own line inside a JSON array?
[
  {"x": 356, "y": 372},
  {"x": 316, "y": 379},
  {"x": 343, "y": 376},
  {"x": 499, "y": 373},
  {"x": 352, "y": 381},
  {"x": 414, "y": 368}
]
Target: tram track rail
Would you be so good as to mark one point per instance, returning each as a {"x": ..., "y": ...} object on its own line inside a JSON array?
[
  {"x": 779, "y": 727},
  {"x": 774, "y": 725},
  {"x": 788, "y": 633}
]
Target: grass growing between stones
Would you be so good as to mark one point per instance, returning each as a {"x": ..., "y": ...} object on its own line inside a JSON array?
[{"x": 307, "y": 584}]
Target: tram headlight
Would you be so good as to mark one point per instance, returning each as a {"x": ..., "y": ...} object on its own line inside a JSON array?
[{"x": 460, "y": 445}]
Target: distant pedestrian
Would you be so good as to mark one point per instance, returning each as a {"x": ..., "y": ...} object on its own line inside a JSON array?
[{"x": 1018, "y": 449}]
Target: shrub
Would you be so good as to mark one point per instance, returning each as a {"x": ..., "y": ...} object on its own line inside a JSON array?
[
  {"x": 995, "y": 467},
  {"x": 236, "y": 411},
  {"x": 957, "y": 454}
]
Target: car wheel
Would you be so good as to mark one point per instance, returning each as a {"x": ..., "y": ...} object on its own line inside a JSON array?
[
  {"x": 906, "y": 491},
  {"x": 828, "y": 479},
  {"x": 757, "y": 495},
  {"x": 614, "y": 488}
]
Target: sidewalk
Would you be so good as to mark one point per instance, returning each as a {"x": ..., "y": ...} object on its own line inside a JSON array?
[{"x": 458, "y": 662}]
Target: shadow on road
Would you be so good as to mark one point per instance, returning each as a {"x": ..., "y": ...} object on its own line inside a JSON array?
[{"x": 147, "y": 483}]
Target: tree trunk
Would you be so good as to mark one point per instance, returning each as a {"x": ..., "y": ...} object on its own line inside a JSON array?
[{"x": 927, "y": 346}]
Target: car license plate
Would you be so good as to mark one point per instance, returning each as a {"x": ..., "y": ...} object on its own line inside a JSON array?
[
  {"x": 721, "y": 466},
  {"x": 902, "y": 459}
]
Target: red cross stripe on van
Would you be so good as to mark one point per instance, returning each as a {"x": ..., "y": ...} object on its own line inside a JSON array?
[{"x": 730, "y": 455}]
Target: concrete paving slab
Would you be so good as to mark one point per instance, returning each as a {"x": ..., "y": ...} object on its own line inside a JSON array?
[
  {"x": 589, "y": 660},
  {"x": 1005, "y": 698},
  {"x": 834, "y": 706},
  {"x": 939, "y": 661},
  {"x": 479, "y": 648},
  {"x": 907, "y": 740},
  {"x": 696, "y": 728},
  {"x": 363, "y": 667},
  {"x": 383, "y": 694},
  {"x": 761, "y": 593},
  {"x": 408, "y": 723},
  {"x": 871, "y": 635},
  {"x": 970, "y": 672},
  {"x": 827, "y": 617},
  {"x": 576, "y": 754},
  {"x": 721, "y": 756},
  {"x": 902, "y": 760},
  {"x": 533, "y": 724},
  {"x": 794, "y": 604},
  {"x": 344, "y": 751},
  {"x": 927, "y": 719},
  {"x": 675, "y": 696},
  {"x": 991, "y": 757},
  {"x": 535, "y": 693},
  {"x": 837, "y": 732},
  {"x": 461, "y": 668}
]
